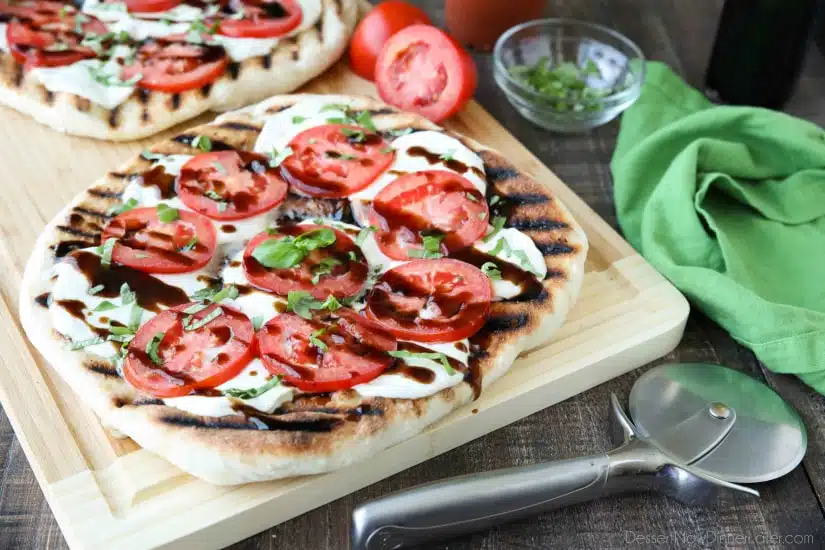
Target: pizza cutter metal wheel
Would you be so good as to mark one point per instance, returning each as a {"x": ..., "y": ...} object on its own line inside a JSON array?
[{"x": 695, "y": 430}]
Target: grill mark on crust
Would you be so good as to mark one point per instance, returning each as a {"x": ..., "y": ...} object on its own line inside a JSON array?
[
  {"x": 554, "y": 249},
  {"x": 43, "y": 299},
  {"x": 18, "y": 75},
  {"x": 506, "y": 323},
  {"x": 556, "y": 274},
  {"x": 101, "y": 368},
  {"x": 144, "y": 116},
  {"x": 539, "y": 224},
  {"x": 234, "y": 68},
  {"x": 381, "y": 111},
  {"x": 175, "y": 101},
  {"x": 496, "y": 174},
  {"x": 239, "y": 126},
  {"x": 77, "y": 232},
  {"x": 81, "y": 103},
  {"x": 65, "y": 247},
  {"x": 49, "y": 97},
  {"x": 147, "y": 401},
  {"x": 206, "y": 89},
  {"x": 114, "y": 116},
  {"x": 319, "y": 425},
  {"x": 143, "y": 95},
  {"x": 539, "y": 298},
  {"x": 217, "y": 145},
  {"x": 90, "y": 212},
  {"x": 266, "y": 61},
  {"x": 526, "y": 198}
]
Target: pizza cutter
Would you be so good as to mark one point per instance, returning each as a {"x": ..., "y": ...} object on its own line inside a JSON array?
[{"x": 695, "y": 431}]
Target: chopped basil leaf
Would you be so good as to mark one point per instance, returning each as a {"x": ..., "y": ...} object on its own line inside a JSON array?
[
  {"x": 125, "y": 207},
  {"x": 205, "y": 293},
  {"x": 192, "y": 324},
  {"x": 219, "y": 167},
  {"x": 80, "y": 344},
  {"x": 253, "y": 392},
  {"x": 331, "y": 303},
  {"x": 298, "y": 119},
  {"x": 149, "y": 155},
  {"x": 277, "y": 157},
  {"x": 448, "y": 156},
  {"x": 491, "y": 270},
  {"x": 494, "y": 200},
  {"x": 498, "y": 224},
  {"x": 431, "y": 250},
  {"x": 352, "y": 256},
  {"x": 190, "y": 245},
  {"x": 524, "y": 260},
  {"x": 121, "y": 331},
  {"x": 324, "y": 267},
  {"x": 257, "y": 322},
  {"x": 364, "y": 233},
  {"x": 290, "y": 251},
  {"x": 228, "y": 292},
  {"x": 386, "y": 150},
  {"x": 501, "y": 246},
  {"x": 402, "y": 354},
  {"x": 334, "y": 107},
  {"x": 212, "y": 194},
  {"x": 152, "y": 348},
  {"x": 167, "y": 214},
  {"x": 106, "y": 252},
  {"x": 127, "y": 296},
  {"x": 135, "y": 317},
  {"x": 358, "y": 136},
  {"x": 122, "y": 338},
  {"x": 105, "y": 305},
  {"x": 337, "y": 120},
  {"x": 95, "y": 289},
  {"x": 141, "y": 255},
  {"x": 203, "y": 143},
  {"x": 472, "y": 197},
  {"x": 100, "y": 75},
  {"x": 301, "y": 302},
  {"x": 364, "y": 118},
  {"x": 482, "y": 215},
  {"x": 312, "y": 141},
  {"x": 315, "y": 339},
  {"x": 565, "y": 86},
  {"x": 196, "y": 308},
  {"x": 222, "y": 206}
]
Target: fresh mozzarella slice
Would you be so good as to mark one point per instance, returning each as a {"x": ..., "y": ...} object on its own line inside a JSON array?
[
  {"x": 253, "y": 376},
  {"x": 239, "y": 49},
  {"x": 141, "y": 29},
  {"x": 427, "y": 150},
  {"x": 281, "y": 127},
  {"x": 519, "y": 250},
  {"x": 4, "y": 44},
  {"x": 72, "y": 287},
  {"x": 105, "y": 12},
  {"x": 79, "y": 79},
  {"x": 172, "y": 163},
  {"x": 253, "y": 302},
  {"x": 400, "y": 386}
]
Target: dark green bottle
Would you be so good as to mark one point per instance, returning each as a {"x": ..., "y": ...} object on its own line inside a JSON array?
[{"x": 759, "y": 49}]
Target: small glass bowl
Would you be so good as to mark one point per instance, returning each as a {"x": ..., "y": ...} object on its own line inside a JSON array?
[{"x": 619, "y": 60}]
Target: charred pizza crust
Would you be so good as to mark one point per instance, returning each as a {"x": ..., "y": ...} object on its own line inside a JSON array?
[
  {"x": 293, "y": 62},
  {"x": 315, "y": 433}
]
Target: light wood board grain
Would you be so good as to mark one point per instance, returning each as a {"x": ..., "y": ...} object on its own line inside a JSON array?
[{"x": 110, "y": 493}]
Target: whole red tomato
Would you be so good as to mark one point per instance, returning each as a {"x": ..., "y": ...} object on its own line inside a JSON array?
[{"x": 376, "y": 28}]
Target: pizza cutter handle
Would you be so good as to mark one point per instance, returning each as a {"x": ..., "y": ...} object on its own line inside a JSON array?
[{"x": 470, "y": 503}]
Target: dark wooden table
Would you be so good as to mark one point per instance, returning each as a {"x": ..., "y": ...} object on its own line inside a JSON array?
[{"x": 790, "y": 512}]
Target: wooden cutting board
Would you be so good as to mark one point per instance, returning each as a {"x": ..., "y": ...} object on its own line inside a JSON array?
[{"x": 110, "y": 493}]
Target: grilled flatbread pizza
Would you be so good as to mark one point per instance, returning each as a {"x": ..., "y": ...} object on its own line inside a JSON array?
[
  {"x": 126, "y": 69},
  {"x": 298, "y": 285}
]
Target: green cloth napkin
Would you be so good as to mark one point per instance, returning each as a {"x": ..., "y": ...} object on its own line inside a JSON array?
[{"x": 729, "y": 204}]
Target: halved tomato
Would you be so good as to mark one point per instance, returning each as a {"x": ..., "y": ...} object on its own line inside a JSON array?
[
  {"x": 52, "y": 40},
  {"x": 424, "y": 70},
  {"x": 442, "y": 205},
  {"x": 230, "y": 185},
  {"x": 338, "y": 269},
  {"x": 380, "y": 23},
  {"x": 147, "y": 6},
  {"x": 148, "y": 244},
  {"x": 261, "y": 18},
  {"x": 431, "y": 300},
  {"x": 331, "y": 352},
  {"x": 171, "y": 64},
  {"x": 336, "y": 160},
  {"x": 187, "y": 348}
]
